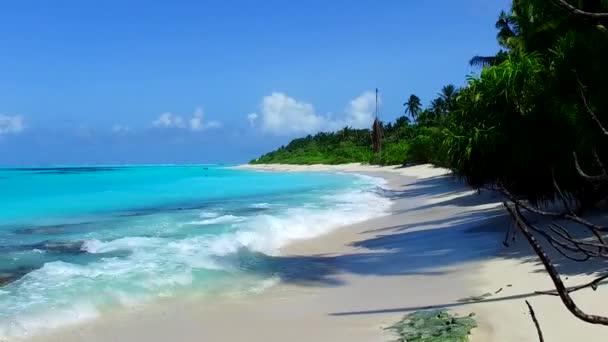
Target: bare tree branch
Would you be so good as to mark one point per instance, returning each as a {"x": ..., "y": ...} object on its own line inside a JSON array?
[
  {"x": 536, "y": 324},
  {"x": 591, "y": 113},
  {"x": 553, "y": 214},
  {"x": 565, "y": 5},
  {"x": 551, "y": 270},
  {"x": 580, "y": 244},
  {"x": 560, "y": 246},
  {"x": 592, "y": 284},
  {"x": 584, "y": 175}
]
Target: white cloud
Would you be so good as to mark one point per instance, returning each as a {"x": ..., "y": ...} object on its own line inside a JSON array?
[
  {"x": 284, "y": 115},
  {"x": 360, "y": 111},
  {"x": 194, "y": 123},
  {"x": 169, "y": 120},
  {"x": 252, "y": 117},
  {"x": 121, "y": 129},
  {"x": 11, "y": 124}
]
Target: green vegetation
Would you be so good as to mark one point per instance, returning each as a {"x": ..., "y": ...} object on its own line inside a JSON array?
[
  {"x": 345, "y": 146},
  {"x": 403, "y": 142},
  {"x": 434, "y": 326},
  {"x": 534, "y": 116},
  {"x": 522, "y": 122}
]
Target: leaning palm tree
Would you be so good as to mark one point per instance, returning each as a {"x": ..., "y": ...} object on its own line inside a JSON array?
[{"x": 413, "y": 106}]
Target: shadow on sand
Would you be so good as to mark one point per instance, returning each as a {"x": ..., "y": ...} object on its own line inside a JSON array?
[{"x": 422, "y": 246}]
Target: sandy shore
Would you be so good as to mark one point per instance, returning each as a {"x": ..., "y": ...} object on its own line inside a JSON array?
[{"x": 441, "y": 244}]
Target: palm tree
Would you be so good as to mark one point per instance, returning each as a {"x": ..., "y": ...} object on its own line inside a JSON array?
[
  {"x": 508, "y": 26},
  {"x": 508, "y": 37},
  {"x": 489, "y": 61},
  {"x": 530, "y": 25},
  {"x": 438, "y": 106},
  {"x": 413, "y": 106},
  {"x": 448, "y": 96}
]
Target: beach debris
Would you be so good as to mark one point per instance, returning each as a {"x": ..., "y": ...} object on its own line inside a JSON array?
[
  {"x": 434, "y": 326},
  {"x": 472, "y": 299}
]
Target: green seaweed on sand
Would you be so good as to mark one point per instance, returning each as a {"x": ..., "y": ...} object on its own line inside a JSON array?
[{"x": 433, "y": 326}]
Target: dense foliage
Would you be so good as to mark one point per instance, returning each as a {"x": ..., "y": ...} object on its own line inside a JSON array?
[
  {"x": 403, "y": 142},
  {"x": 532, "y": 119},
  {"x": 520, "y": 123},
  {"x": 347, "y": 145}
]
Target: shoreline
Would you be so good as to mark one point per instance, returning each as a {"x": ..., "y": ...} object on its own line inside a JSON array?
[{"x": 440, "y": 245}]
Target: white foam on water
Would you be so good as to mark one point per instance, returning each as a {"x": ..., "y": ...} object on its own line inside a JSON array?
[
  {"x": 219, "y": 220},
  {"x": 126, "y": 243},
  {"x": 62, "y": 293},
  {"x": 25, "y": 326},
  {"x": 209, "y": 214},
  {"x": 268, "y": 233}
]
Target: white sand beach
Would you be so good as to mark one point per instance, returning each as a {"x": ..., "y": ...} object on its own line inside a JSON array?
[{"x": 441, "y": 244}]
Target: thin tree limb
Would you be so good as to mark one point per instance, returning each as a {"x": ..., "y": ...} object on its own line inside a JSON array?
[
  {"x": 550, "y": 268},
  {"x": 602, "y": 246},
  {"x": 536, "y": 324},
  {"x": 592, "y": 284},
  {"x": 591, "y": 113},
  {"x": 552, "y": 214},
  {"x": 573, "y": 10},
  {"x": 584, "y": 175},
  {"x": 594, "y": 230},
  {"x": 557, "y": 244},
  {"x": 580, "y": 244}
]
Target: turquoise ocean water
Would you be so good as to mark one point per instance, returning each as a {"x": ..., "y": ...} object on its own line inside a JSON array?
[{"x": 76, "y": 242}]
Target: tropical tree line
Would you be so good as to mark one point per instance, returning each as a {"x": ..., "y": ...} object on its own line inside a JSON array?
[
  {"x": 414, "y": 137},
  {"x": 525, "y": 122}
]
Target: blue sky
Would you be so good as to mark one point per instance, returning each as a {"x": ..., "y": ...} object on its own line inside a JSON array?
[{"x": 113, "y": 82}]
